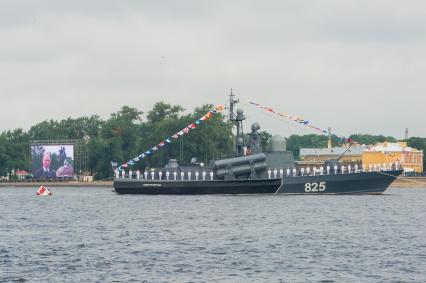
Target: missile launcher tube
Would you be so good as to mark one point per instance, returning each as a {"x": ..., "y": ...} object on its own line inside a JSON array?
[
  {"x": 247, "y": 159},
  {"x": 240, "y": 169}
]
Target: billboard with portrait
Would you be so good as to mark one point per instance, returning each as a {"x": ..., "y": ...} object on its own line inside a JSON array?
[{"x": 52, "y": 161}]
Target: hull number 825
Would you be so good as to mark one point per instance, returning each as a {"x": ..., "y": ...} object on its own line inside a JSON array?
[{"x": 315, "y": 187}]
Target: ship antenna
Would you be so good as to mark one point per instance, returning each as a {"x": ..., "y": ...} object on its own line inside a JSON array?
[
  {"x": 340, "y": 157},
  {"x": 232, "y": 103},
  {"x": 236, "y": 119}
]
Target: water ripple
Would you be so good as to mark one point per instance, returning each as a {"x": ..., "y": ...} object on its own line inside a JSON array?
[{"x": 91, "y": 234}]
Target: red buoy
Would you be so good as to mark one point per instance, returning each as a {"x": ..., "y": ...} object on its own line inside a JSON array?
[{"x": 42, "y": 191}]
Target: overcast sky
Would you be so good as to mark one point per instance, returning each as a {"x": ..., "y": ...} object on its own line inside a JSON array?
[{"x": 356, "y": 66}]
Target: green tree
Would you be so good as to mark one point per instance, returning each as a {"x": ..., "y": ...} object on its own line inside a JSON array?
[
  {"x": 120, "y": 136},
  {"x": 14, "y": 151},
  {"x": 125, "y": 135},
  {"x": 418, "y": 143},
  {"x": 162, "y": 111},
  {"x": 371, "y": 139},
  {"x": 264, "y": 140}
]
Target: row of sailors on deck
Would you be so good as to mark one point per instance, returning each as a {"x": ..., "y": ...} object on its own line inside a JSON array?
[
  {"x": 168, "y": 175},
  {"x": 321, "y": 171},
  {"x": 275, "y": 173}
]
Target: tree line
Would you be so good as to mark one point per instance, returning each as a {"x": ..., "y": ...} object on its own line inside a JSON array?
[
  {"x": 129, "y": 132},
  {"x": 123, "y": 136}
]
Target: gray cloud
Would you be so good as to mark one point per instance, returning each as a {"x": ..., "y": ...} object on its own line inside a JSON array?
[{"x": 354, "y": 65}]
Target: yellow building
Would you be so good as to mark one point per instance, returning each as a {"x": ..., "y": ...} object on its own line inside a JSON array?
[
  {"x": 411, "y": 159},
  {"x": 345, "y": 154}
]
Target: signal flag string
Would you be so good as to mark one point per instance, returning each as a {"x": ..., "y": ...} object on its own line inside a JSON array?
[
  {"x": 296, "y": 119},
  {"x": 170, "y": 139}
]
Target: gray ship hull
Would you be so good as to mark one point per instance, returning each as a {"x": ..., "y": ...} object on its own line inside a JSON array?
[{"x": 354, "y": 183}]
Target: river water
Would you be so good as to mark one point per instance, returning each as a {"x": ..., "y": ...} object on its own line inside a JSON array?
[{"x": 93, "y": 235}]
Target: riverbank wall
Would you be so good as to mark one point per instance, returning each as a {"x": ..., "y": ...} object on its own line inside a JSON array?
[{"x": 107, "y": 184}]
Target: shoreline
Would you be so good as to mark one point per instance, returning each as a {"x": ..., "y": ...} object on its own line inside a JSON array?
[
  {"x": 409, "y": 182},
  {"x": 58, "y": 184}
]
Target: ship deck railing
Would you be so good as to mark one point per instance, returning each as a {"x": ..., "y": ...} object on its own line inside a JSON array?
[{"x": 208, "y": 175}]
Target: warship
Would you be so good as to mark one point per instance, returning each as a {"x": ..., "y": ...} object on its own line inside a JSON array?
[{"x": 251, "y": 171}]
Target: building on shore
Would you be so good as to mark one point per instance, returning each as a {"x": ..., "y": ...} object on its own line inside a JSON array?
[
  {"x": 410, "y": 158},
  {"x": 22, "y": 174},
  {"x": 317, "y": 156}
]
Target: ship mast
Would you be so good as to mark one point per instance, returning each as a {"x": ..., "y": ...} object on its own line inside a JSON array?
[
  {"x": 232, "y": 103},
  {"x": 237, "y": 120}
]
